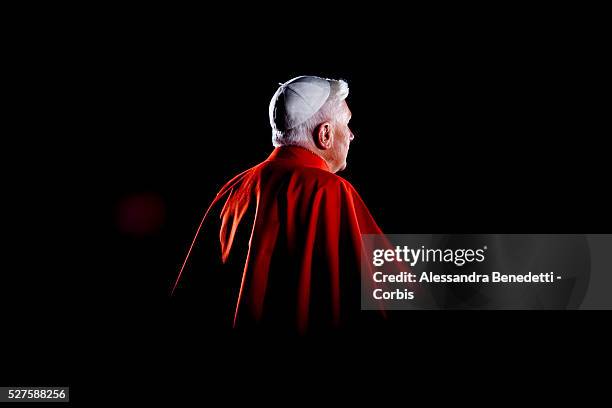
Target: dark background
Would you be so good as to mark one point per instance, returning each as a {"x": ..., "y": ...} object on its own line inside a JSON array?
[
  {"x": 454, "y": 134},
  {"x": 451, "y": 138}
]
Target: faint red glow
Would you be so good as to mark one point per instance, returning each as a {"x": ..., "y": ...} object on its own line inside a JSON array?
[{"x": 141, "y": 214}]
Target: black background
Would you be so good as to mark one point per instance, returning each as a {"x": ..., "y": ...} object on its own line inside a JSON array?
[{"x": 457, "y": 131}]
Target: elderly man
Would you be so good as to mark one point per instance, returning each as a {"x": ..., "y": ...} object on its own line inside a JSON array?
[{"x": 288, "y": 246}]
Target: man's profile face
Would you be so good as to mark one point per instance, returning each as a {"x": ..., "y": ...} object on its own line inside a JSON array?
[{"x": 342, "y": 137}]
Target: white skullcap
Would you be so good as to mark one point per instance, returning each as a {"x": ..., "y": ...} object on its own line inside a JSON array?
[{"x": 297, "y": 100}]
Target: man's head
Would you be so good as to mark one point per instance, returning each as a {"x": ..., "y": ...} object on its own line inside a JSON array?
[{"x": 311, "y": 112}]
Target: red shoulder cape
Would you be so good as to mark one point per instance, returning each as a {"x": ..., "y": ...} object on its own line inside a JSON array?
[{"x": 301, "y": 264}]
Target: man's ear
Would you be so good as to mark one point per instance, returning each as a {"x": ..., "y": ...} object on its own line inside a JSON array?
[{"x": 324, "y": 136}]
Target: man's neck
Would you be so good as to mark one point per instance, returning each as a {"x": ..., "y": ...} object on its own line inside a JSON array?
[{"x": 316, "y": 152}]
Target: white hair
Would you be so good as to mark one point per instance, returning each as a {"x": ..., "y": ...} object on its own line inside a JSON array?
[{"x": 301, "y": 135}]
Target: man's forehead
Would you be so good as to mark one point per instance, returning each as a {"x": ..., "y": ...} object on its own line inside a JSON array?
[{"x": 346, "y": 109}]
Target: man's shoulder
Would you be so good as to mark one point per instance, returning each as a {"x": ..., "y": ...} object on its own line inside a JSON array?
[
  {"x": 312, "y": 177},
  {"x": 324, "y": 179}
]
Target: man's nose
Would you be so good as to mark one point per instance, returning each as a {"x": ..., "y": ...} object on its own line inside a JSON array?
[{"x": 352, "y": 136}]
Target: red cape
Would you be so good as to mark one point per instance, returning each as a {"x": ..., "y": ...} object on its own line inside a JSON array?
[{"x": 290, "y": 230}]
